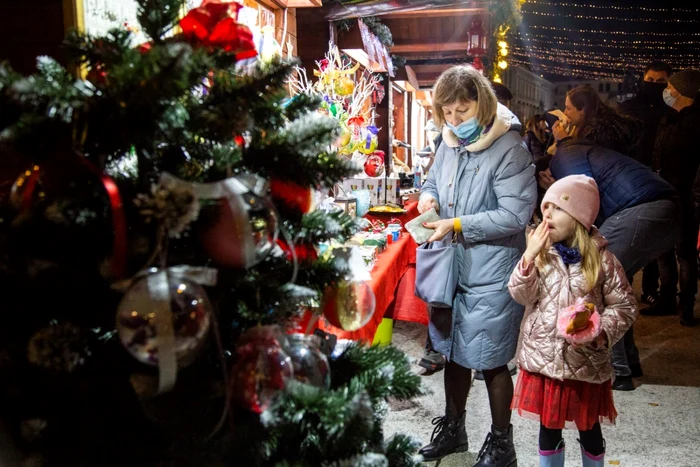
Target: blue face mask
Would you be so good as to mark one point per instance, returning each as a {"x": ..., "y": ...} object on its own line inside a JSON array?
[
  {"x": 465, "y": 130},
  {"x": 668, "y": 98}
]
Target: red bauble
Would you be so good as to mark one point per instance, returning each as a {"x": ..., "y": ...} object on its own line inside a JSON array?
[
  {"x": 262, "y": 368},
  {"x": 304, "y": 252},
  {"x": 374, "y": 165},
  {"x": 292, "y": 195}
]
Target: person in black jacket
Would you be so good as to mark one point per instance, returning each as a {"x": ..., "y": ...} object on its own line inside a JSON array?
[
  {"x": 638, "y": 216},
  {"x": 677, "y": 158},
  {"x": 648, "y": 106}
]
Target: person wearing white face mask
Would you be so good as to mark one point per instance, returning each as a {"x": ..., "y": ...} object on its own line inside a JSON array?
[
  {"x": 677, "y": 158},
  {"x": 482, "y": 185}
]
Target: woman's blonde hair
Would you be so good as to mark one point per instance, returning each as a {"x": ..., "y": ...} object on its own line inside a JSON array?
[
  {"x": 590, "y": 256},
  {"x": 464, "y": 83}
]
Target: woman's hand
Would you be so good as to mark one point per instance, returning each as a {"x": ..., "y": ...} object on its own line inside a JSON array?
[
  {"x": 536, "y": 240},
  {"x": 442, "y": 228},
  {"x": 426, "y": 202},
  {"x": 559, "y": 131},
  {"x": 545, "y": 179}
]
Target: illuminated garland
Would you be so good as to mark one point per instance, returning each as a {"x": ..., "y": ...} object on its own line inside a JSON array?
[
  {"x": 623, "y": 33},
  {"x": 594, "y": 58},
  {"x": 568, "y": 71},
  {"x": 604, "y": 43},
  {"x": 613, "y": 18},
  {"x": 610, "y": 7}
]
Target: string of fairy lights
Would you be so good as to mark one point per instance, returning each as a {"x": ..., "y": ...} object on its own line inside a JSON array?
[
  {"x": 577, "y": 57},
  {"x": 589, "y": 40},
  {"x": 605, "y": 43},
  {"x": 612, "y": 7},
  {"x": 616, "y": 18}
]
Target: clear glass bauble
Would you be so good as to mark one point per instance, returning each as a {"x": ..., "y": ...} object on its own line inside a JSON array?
[
  {"x": 310, "y": 364},
  {"x": 262, "y": 368},
  {"x": 191, "y": 318},
  {"x": 349, "y": 305}
]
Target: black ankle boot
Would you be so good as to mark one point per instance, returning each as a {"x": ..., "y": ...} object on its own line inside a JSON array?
[
  {"x": 687, "y": 312},
  {"x": 449, "y": 436},
  {"x": 498, "y": 449},
  {"x": 663, "y": 306}
]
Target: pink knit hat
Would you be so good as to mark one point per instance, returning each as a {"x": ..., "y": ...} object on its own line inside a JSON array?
[{"x": 577, "y": 195}]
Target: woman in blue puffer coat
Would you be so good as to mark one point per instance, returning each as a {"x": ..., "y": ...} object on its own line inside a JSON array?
[{"x": 483, "y": 186}]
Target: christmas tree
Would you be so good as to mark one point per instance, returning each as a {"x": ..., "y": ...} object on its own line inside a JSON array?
[{"x": 159, "y": 240}]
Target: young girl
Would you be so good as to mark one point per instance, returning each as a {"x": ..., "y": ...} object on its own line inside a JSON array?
[{"x": 566, "y": 374}]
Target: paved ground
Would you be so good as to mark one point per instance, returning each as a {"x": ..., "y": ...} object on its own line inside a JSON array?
[{"x": 658, "y": 425}]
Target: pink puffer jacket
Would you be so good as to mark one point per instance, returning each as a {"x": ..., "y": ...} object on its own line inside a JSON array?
[{"x": 546, "y": 292}]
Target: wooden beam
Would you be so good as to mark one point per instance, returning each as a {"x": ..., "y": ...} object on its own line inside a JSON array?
[
  {"x": 435, "y": 13},
  {"x": 304, "y": 3},
  {"x": 423, "y": 47}
]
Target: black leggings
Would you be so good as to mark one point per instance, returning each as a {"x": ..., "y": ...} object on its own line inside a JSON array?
[{"x": 591, "y": 440}]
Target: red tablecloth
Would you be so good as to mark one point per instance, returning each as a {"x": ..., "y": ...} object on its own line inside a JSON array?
[{"x": 393, "y": 279}]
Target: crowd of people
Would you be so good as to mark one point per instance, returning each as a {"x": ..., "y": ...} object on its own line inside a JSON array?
[{"x": 552, "y": 221}]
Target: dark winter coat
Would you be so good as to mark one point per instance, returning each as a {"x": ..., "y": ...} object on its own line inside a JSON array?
[
  {"x": 650, "y": 112},
  {"x": 677, "y": 149},
  {"x": 622, "y": 181},
  {"x": 536, "y": 147},
  {"x": 613, "y": 131}
]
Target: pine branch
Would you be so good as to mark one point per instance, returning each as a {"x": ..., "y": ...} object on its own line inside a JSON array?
[
  {"x": 296, "y": 154},
  {"x": 300, "y": 105},
  {"x": 384, "y": 371},
  {"x": 401, "y": 451},
  {"x": 321, "y": 226},
  {"x": 313, "y": 425},
  {"x": 93, "y": 52},
  {"x": 236, "y": 104},
  {"x": 157, "y": 17},
  {"x": 321, "y": 274}
]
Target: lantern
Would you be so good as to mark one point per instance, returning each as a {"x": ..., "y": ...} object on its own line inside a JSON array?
[
  {"x": 349, "y": 205},
  {"x": 477, "y": 38}
]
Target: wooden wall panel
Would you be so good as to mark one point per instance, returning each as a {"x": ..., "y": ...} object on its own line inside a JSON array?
[{"x": 29, "y": 28}]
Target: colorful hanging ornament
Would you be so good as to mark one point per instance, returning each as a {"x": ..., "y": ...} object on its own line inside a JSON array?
[
  {"x": 262, "y": 368},
  {"x": 296, "y": 197},
  {"x": 370, "y": 140},
  {"x": 164, "y": 317},
  {"x": 344, "y": 86},
  {"x": 374, "y": 165},
  {"x": 241, "y": 229},
  {"x": 344, "y": 138},
  {"x": 49, "y": 194},
  {"x": 349, "y": 305},
  {"x": 309, "y": 363}
]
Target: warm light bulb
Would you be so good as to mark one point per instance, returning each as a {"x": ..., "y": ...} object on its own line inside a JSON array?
[
  {"x": 503, "y": 52},
  {"x": 502, "y": 44},
  {"x": 497, "y": 78},
  {"x": 502, "y": 64}
]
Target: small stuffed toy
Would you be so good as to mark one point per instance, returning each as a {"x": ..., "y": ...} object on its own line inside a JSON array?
[{"x": 579, "y": 323}]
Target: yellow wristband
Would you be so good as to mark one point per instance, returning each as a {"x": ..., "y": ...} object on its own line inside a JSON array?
[{"x": 457, "y": 224}]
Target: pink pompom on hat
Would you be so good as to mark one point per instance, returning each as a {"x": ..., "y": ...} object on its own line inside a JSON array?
[
  {"x": 578, "y": 196},
  {"x": 584, "y": 336}
]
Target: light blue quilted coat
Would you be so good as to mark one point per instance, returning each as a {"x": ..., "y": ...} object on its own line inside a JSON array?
[{"x": 491, "y": 186}]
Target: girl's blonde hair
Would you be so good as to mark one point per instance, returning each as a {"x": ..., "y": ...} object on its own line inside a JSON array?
[
  {"x": 464, "y": 83},
  {"x": 590, "y": 256}
]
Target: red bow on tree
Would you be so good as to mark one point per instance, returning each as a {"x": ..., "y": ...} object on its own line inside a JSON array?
[{"x": 214, "y": 24}]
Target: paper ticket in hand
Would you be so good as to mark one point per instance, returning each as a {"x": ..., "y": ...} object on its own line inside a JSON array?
[{"x": 415, "y": 226}]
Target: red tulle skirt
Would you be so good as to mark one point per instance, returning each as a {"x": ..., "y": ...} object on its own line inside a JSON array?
[{"x": 559, "y": 404}]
